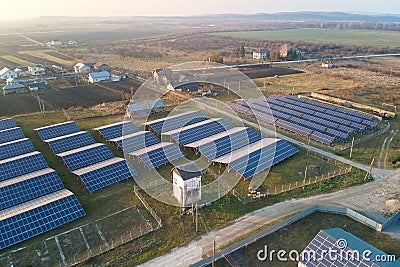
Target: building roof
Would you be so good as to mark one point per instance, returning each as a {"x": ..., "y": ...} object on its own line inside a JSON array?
[
  {"x": 12, "y": 86},
  {"x": 40, "y": 85},
  {"x": 145, "y": 105},
  {"x": 165, "y": 71},
  {"x": 188, "y": 171},
  {"x": 100, "y": 74},
  {"x": 99, "y": 64},
  {"x": 4, "y": 70}
]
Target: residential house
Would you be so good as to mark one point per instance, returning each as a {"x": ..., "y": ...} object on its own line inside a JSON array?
[
  {"x": 144, "y": 108},
  {"x": 36, "y": 86},
  {"x": 187, "y": 184},
  {"x": 327, "y": 64},
  {"x": 188, "y": 87},
  {"x": 13, "y": 86},
  {"x": 36, "y": 70},
  {"x": 95, "y": 77},
  {"x": 100, "y": 66},
  {"x": 72, "y": 42},
  {"x": 6, "y": 73},
  {"x": 261, "y": 54},
  {"x": 82, "y": 68},
  {"x": 54, "y": 43}
]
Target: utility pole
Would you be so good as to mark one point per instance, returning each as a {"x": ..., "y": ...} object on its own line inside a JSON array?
[
  {"x": 370, "y": 169},
  {"x": 213, "y": 255},
  {"x": 351, "y": 149},
  {"x": 196, "y": 219},
  {"x": 305, "y": 177}
]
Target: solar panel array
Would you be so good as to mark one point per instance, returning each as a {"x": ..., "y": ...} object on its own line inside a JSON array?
[
  {"x": 37, "y": 216},
  {"x": 26, "y": 180},
  {"x": 15, "y": 148},
  {"x": 116, "y": 130},
  {"x": 105, "y": 173},
  {"x": 199, "y": 131},
  {"x": 177, "y": 121},
  {"x": 7, "y": 124},
  {"x": 136, "y": 141},
  {"x": 11, "y": 134},
  {"x": 227, "y": 143},
  {"x": 318, "y": 121},
  {"x": 165, "y": 153},
  {"x": 56, "y": 130},
  {"x": 29, "y": 186},
  {"x": 323, "y": 243},
  {"x": 94, "y": 163},
  {"x": 263, "y": 158}
]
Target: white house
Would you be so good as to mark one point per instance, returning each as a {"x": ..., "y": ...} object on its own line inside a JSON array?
[
  {"x": 54, "y": 43},
  {"x": 95, "y": 77},
  {"x": 36, "y": 70},
  {"x": 260, "y": 54},
  {"x": 327, "y": 64},
  {"x": 143, "y": 108},
  {"x": 6, "y": 73},
  {"x": 81, "y": 68},
  {"x": 187, "y": 184}
]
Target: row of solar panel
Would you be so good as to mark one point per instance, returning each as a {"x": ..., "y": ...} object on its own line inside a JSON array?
[
  {"x": 25, "y": 181},
  {"x": 92, "y": 162}
]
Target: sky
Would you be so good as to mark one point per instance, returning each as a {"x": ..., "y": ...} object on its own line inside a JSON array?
[{"x": 26, "y": 9}]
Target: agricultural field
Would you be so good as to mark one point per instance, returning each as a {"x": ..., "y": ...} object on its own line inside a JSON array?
[
  {"x": 293, "y": 237},
  {"x": 343, "y": 37}
]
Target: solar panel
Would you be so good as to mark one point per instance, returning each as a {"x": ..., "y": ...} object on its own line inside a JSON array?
[
  {"x": 7, "y": 124},
  {"x": 228, "y": 143},
  {"x": 117, "y": 130},
  {"x": 56, "y": 130},
  {"x": 105, "y": 173},
  {"x": 69, "y": 142},
  {"x": 199, "y": 131},
  {"x": 136, "y": 141},
  {"x": 11, "y": 134},
  {"x": 85, "y": 156},
  {"x": 20, "y": 165},
  {"x": 177, "y": 121},
  {"x": 37, "y": 216},
  {"x": 24, "y": 188},
  {"x": 263, "y": 158},
  {"x": 159, "y": 154},
  {"x": 15, "y": 148},
  {"x": 315, "y": 254}
]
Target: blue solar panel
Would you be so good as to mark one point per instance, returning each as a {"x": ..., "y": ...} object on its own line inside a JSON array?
[
  {"x": 177, "y": 121},
  {"x": 226, "y": 144},
  {"x": 11, "y": 134},
  {"x": 261, "y": 159},
  {"x": 200, "y": 132},
  {"x": 24, "y": 188},
  {"x": 117, "y": 130},
  {"x": 7, "y": 124},
  {"x": 32, "y": 218},
  {"x": 137, "y": 141},
  {"x": 154, "y": 158},
  {"x": 20, "y": 165},
  {"x": 70, "y": 142},
  {"x": 98, "y": 178},
  {"x": 57, "y": 130},
  {"x": 15, "y": 148},
  {"x": 87, "y": 156}
]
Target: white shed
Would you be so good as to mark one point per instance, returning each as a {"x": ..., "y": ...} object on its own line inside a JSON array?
[{"x": 187, "y": 184}]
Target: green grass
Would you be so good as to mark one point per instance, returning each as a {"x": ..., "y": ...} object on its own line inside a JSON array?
[
  {"x": 343, "y": 37},
  {"x": 298, "y": 235}
]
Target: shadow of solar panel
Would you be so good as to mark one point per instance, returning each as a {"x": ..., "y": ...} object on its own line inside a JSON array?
[
  {"x": 20, "y": 165},
  {"x": 107, "y": 175},
  {"x": 226, "y": 144},
  {"x": 177, "y": 121},
  {"x": 27, "y": 187},
  {"x": 117, "y": 130},
  {"x": 11, "y": 134},
  {"x": 87, "y": 156},
  {"x": 160, "y": 156},
  {"x": 37, "y": 216},
  {"x": 200, "y": 132},
  {"x": 56, "y": 130},
  {"x": 15, "y": 148},
  {"x": 137, "y": 141},
  {"x": 7, "y": 124},
  {"x": 70, "y": 142}
]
